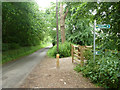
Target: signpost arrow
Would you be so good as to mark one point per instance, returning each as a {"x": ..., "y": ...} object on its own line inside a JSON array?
[{"x": 103, "y": 26}]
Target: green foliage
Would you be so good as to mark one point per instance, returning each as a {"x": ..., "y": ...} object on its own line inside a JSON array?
[
  {"x": 64, "y": 50},
  {"x": 78, "y": 68},
  {"x": 10, "y": 46},
  {"x": 104, "y": 70},
  {"x": 79, "y": 23},
  {"x": 108, "y": 13},
  {"x": 23, "y": 23},
  {"x": 78, "y": 28},
  {"x": 24, "y": 29},
  {"x": 88, "y": 54}
]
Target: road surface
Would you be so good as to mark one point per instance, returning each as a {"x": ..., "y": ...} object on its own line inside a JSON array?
[{"x": 15, "y": 72}]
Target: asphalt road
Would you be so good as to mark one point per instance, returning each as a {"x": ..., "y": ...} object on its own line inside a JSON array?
[{"x": 15, "y": 72}]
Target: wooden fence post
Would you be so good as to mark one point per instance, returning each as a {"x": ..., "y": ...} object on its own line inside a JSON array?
[{"x": 81, "y": 55}]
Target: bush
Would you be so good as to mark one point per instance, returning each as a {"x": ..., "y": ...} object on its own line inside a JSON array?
[
  {"x": 104, "y": 70},
  {"x": 64, "y": 50}
]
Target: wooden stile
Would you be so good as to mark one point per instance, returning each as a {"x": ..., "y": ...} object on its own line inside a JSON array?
[
  {"x": 77, "y": 56},
  {"x": 77, "y": 52}
]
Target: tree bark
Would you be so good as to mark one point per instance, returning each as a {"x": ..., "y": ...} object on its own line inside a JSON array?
[{"x": 62, "y": 23}]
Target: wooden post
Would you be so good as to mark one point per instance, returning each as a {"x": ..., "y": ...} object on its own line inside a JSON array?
[
  {"x": 72, "y": 50},
  {"x": 57, "y": 63},
  {"x": 57, "y": 26},
  {"x": 81, "y": 55}
]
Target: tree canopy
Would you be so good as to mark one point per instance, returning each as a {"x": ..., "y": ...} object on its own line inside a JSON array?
[
  {"x": 23, "y": 23},
  {"x": 26, "y": 25},
  {"x": 80, "y": 20}
]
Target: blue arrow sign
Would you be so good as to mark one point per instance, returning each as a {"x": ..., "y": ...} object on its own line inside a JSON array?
[{"x": 103, "y": 26}]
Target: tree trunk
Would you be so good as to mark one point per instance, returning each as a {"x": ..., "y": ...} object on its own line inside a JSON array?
[{"x": 62, "y": 23}]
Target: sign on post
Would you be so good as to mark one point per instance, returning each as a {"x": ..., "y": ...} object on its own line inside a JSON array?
[{"x": 103, "y": 26}]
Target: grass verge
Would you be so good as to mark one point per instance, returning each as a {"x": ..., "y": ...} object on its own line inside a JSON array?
[{"x": 11, "y": 55}]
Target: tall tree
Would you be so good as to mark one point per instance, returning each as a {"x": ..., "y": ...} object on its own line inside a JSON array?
[{"x": 62, "y": 22}]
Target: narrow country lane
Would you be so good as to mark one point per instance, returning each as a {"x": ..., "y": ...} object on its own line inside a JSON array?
[{"x": 15, "y": 72}]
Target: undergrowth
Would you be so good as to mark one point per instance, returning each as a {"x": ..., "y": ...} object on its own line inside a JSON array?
[
  {"x": 104, "y": 71},
  {"x": 64, "y": 50}
]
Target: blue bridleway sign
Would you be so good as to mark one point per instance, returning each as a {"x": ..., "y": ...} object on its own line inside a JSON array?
[{"x": 103, "y": 26}]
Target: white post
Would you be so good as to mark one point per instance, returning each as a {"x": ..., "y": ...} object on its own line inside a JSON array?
[{"x": 94, "y": 39}]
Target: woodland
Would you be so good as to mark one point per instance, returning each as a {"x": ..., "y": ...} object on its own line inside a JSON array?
[{"x": 26, "y": 28}]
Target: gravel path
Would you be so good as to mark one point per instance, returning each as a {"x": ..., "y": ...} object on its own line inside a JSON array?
[{"x": 46, "y": 75}]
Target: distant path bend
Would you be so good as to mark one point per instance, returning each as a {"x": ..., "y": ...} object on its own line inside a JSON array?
[{"x": 15, "y": 72}]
